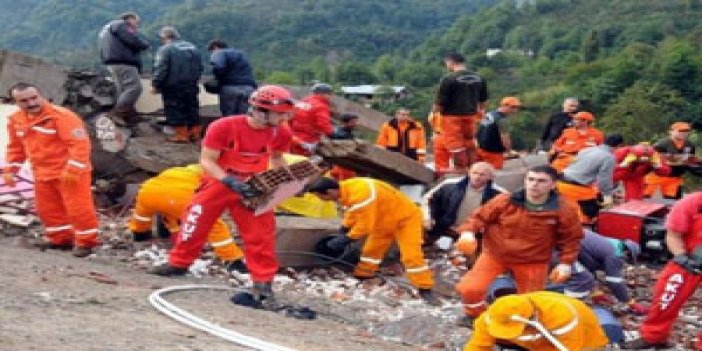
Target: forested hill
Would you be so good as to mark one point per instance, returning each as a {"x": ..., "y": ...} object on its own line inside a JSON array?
[
  {"x": 278, "y": 34},
  {"x": 636, "y": 63}
]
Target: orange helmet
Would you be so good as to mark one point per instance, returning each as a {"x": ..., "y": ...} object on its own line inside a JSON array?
[
  {"x": 585, "y": 116},
  {"x": 273, "y": 98}
]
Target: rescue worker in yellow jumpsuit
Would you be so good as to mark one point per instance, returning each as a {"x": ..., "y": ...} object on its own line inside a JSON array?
[
  {"x": 383, "y": 214},
  {"x": 540, "y": 321},
  {"x": 168, "y": 194}
]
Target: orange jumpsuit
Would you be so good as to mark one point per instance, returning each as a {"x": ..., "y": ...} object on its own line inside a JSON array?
[
  {"x": 384, "y": 214},
  {"x": 169, "y": 195},
  {"x": 569, "y": 320},
  {"x": 571, "y": 142},
  {"x": 441, "y": 152},
  {"x": 56, "y": 144},
  {"x": 405, "y": 137}
]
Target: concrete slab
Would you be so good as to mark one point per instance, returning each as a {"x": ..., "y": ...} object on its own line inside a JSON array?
[{"x": 297, "y": 237}]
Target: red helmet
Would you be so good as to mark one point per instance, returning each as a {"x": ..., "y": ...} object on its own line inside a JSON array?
[
  {"x": 273, "y": 98},
  {"x": 643, "y": 150}
]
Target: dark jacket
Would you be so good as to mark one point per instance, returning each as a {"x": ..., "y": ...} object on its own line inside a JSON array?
[
  {"x": 557, "y": 123},
  {"x": 444, "y": 202},
  {"x": 232, "y": 67},
  {"x": 597, "y": 253},
  {"x": 177, "y": 64},
  {"x": 667, "y": 146},
  {"x": 341, "y": 133},
  {"x": 488, "y": 136},
  {"x": 120, "y": 44}
]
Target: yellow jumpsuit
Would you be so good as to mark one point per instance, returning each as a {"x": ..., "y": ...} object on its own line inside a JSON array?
[
  {"x": 569, "y": 320},
  {"x": 169, "y": 194},
  {"x": 384, "y": 214}
]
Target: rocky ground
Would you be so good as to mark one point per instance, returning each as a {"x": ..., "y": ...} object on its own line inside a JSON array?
[{"x": 53, "y": 301}]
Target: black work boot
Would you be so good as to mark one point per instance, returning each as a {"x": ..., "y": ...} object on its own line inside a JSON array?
[
  {"x": 428, "y": 296},
  {"x": 263, "y": 293},
  {"x": 82, "y": 251},
  {"x": 166, "y": 270},
  {"x": 641, "y": 344},
  {"x": 235, "y": 266}
]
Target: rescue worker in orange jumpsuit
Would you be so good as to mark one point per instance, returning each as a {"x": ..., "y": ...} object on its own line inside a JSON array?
[
  {"x": 678, "y": 152},
  {"x": 438, "y": 144},
  {"x": 383, "y": 215},
  {"x": 460, "y": 99},
  {"x": 574, "y": 139},
  {"x": 168, "y": 195},
  {"x": 539, "y": 321},
  {"x": 633, "y": 163},
  {"x": 492, "y": 143},
  {"x": 235, "y": 148},
  {"x": 680, "y": 277},
  {"x": 311, "y": 120},
  {"x": 404, "y": 135},
  {"x": 520, "y": 232},
  {"x": 54, "y": 141}
]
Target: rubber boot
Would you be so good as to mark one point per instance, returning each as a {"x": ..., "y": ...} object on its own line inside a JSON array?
[
  {"x": 181, "y": 135},
  {"x": 82, "y": 251},
  {"x": 428, "y": 296},
  {"x": 263, "y": 293},
  {"x": 195, "y": 133},
  {"x": 166, "y": 270}
]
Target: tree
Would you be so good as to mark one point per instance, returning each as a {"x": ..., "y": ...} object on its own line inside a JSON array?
[
  {"x": 386, "y": 68},
  {"x": 354, "y": 73},
  {"x": 643, "y": 112},
  {"x": 590, "y": 47},
  {"x": 280, "y": 77}
]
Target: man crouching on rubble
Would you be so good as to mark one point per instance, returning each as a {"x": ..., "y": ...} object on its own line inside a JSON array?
[
  {"x": 54, "y": 141},
  {"x": 234, "y": 149},
  {"x": 520, "y": 231},
  {"x": 382, "y": 213}
]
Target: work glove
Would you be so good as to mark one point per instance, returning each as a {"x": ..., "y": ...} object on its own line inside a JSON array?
[
  {"x": 628, "y": 160},
  {"x": 656, "y": 161},
  {"x": 245, "y": 190},
  {"x": 690, "y": 264},
  {"x": 9, "y": 179},
  {"x": 467, "y": 244},
  {"x": 69, "y": 178},
  {"x": 560, "y": 274},
  {"x": 309, "y": 147},
  {"x": 638, "y": 308},
  {"x": 607, "y": 201},
  {"x": 339, "y": 242}
]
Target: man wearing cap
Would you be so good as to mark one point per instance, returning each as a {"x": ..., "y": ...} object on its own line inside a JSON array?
[
  {"x": 679, "y": 153},
  {"x": 492, "y": 143},
  {"x": 234, "y": 75},
  {"x": 680, "y": 277},
  {"x": 574, "y": 139},
  {"x": 520, "y": 232},
  {"x": 311, "y": 120},
  {"x": 539, "y": 321},
  {"x": 589, "y": 176},
  {"x": 558, "y": 122},
  {"x": 403, "y": 135},
  {"x": 460, "y": 99},
  {"x": 608, "y": 255}
]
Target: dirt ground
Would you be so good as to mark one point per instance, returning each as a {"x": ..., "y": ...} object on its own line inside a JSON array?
[{"x": 53, "y": 301}]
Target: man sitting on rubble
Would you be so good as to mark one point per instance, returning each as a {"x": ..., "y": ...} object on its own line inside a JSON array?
[
  {"x": 168, "y": 195},
  {"x": 233, "y": 150},
  {"x": 539, "y": 321},
  {"x": 449, "y": 204},
  {"x": 383, "y": 215},
  {"x": 520, "y": 232}
]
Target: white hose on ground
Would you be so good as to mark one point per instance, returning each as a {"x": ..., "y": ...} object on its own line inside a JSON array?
[{"x": 189, "y": 319}]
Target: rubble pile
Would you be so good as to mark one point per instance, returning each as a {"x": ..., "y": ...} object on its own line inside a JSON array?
[{"x": 88, "y": 93}]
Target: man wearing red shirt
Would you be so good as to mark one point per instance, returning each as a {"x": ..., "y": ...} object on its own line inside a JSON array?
[
  {"x": 312, "y": 120},
  {"x": 679, "y": 278},
  {"x": 235, "y": 148}
]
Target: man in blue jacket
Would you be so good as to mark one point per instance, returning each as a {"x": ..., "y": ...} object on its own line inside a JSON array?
[
  {"x": 120, "y": 46},
  {"x": 449, "y": 204},
  {"x": 235, "y": 78}
]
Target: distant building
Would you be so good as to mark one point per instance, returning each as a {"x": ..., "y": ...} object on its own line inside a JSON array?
[
  {"x": 368, "y": 94},
  {"x": 524, "y": 52}
]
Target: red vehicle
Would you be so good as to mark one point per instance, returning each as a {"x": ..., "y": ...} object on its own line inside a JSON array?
[{"x": 640, "y": 221}]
